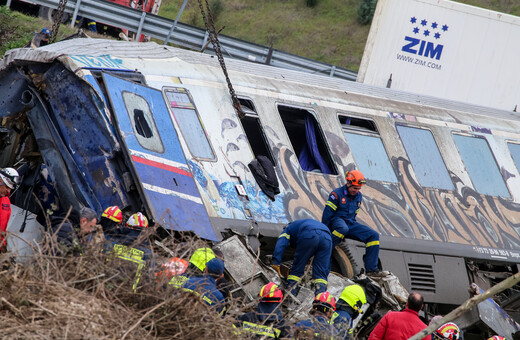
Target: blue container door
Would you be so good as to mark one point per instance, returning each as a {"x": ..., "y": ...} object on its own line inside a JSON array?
[{"x": 150, "y": 138}]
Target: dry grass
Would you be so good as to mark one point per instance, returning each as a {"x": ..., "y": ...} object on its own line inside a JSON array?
[{"x": 90, "y": 297}]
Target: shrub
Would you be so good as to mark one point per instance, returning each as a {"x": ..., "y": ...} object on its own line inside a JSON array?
[
  {"x": 311, "y": 3},
  {"x": 366, "y": 11}
]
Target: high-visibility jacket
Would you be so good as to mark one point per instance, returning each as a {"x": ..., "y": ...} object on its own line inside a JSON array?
[{"x": 132, "y": 255}]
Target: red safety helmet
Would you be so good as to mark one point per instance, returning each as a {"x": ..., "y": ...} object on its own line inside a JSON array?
[
  {"x": 355, "y": 177},
  {"x": 447, "y": 331},
  {"x": 137, "y": 221},
  {"x": 497, "y": 337},
  {"x": 113, "y": 213},
  {"x": 324, "y": 300},
  {"x": 176, "y": 266},
  {"x": 271, "y": 293}
]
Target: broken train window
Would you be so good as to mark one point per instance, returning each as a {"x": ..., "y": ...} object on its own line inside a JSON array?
[
  {"x": 307, "y": 140},
  {"x": 254, "y": 130},
  {"x": 142, "y": 121},
  {"x": 185, "y": 113},
  {"x": 367, "y": 148}
]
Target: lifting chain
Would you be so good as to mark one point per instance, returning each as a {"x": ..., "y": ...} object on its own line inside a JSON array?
[
  {"x": 213, "y": 37},
  {"x": 56, "y": 18}
]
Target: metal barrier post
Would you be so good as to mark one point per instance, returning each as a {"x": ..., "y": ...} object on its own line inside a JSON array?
[
  {"x": 75, "y": 15},
  {"x": 332, "y": 70},
  {"x": 175, "y": 23},
  {"x": 140, "y": 28},
  {"x": 8, "y": 4}
]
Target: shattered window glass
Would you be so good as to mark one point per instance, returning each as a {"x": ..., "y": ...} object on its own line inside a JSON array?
[
  {"x": 142, "y": 121},
  {"x": 481, "y": 165},
  {"x": 425, "y": 157},
  {"x": 191, "y": 127}
]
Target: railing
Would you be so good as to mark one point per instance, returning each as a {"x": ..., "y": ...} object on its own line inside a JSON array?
[{"x": 192, "y": 37}]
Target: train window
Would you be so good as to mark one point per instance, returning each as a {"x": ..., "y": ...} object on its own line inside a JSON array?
[
  {"x": 143, "y": 124},
  {"x": 515, "y": 153},
  {"x": 186, "y": 115},
  {"x": 425, "y": 157},
  {"x": 254, "y": 131},
  {"x": 367, "y": 148},
  {"x": 307, "y": 140},
  {"x": 353, "y": 123},
  {"x": 481, "y": 165}
]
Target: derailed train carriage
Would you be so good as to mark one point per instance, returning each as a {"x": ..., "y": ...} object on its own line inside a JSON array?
[{"x": 152, "y": 128}]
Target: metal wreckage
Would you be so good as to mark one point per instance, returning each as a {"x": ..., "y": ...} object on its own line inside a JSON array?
[{"x": 151, "y": 128}]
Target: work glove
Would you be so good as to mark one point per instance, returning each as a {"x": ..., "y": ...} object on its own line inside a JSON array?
[{"x": 276, "y": 267}]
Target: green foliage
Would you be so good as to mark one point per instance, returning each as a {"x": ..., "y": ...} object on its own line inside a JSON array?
[
  {"x": 311, "y": 3},
  {"x": 366, "y": 11},
  {"x": 216, "y": 8}
]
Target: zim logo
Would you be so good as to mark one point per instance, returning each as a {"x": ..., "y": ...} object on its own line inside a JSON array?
[
  {"x": 419, "y": 43},
  {"x": 425, "y": 48}
]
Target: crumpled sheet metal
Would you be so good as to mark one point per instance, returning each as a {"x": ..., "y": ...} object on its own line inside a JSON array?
[{"x": 394, "y": 294}]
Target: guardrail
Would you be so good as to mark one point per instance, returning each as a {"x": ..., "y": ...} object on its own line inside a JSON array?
[{"x": 192, "y": 37}]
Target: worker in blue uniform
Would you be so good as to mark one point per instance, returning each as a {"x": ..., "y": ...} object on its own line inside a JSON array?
[
  {"x": 340, "y": 216},
  {"x": 319, "y": 325},
  {"x": 348, "y": 307},
  {"x": 205, "y": 286},
  {"x": 310, "y": 238}
]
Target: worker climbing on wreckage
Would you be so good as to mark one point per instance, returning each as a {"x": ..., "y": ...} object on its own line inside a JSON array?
[
  {"x": 310, "y": 238},
  {"x": 340, "y": 216},
  {"x": 267, "y": 320}
]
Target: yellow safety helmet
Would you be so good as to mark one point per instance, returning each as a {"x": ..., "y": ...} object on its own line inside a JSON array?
[
  {"x": 202, "y": 256},
  {"x": 354, "y": 296}
]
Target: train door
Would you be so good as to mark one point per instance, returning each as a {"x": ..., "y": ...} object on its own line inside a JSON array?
[{"x": 149, "y": 137}]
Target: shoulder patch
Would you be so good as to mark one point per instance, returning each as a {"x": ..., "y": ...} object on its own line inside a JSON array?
[{"x": 333, "y": 196}]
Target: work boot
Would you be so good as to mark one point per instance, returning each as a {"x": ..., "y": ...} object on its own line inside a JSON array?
[{"x": 377, "y": 273}]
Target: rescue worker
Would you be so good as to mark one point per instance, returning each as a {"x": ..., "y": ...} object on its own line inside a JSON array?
[
  {"x": 310, "y": 238},
  {"x": 9, "y": 179},
  {"x": 111, "y": 222},
  {"x": 267, "y": 320},
  {"x": 196, "y": 266},
  {"x": 74, "y": 232},
  {"x": 116, "y": 242},
  {"x": 205, "y": 286},
  {"x": 448, "y": 331},
  {"x": 323, "y": 306},
  {"x": 340, "y": 216},
  {"x": 497, "y": 337},
  {"x": 348, "y": 307}
]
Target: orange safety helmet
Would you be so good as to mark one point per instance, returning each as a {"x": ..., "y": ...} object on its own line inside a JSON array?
[
  {"x": 137, "y": 221},
  {"x": 325, "y": 300},
  {"x": 355, "y": 177},
  {"x": 448, "y": 331},
  {"x": 497, "y": 337},
  {"x": 113, "y": 213},
  {"x": 270, "y": 293}
]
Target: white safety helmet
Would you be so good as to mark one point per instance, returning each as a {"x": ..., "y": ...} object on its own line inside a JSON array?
[
  {"x": 10, "y": 177},
  {"x": 137, "y": 221}
]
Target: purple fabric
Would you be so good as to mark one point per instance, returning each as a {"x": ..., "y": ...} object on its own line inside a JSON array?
[{"x": 310, "y": 157}]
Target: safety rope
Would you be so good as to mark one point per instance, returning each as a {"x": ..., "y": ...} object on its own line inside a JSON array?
[
  {"x": 213, "y": 36},
  {"x": 56, "y": 18}
]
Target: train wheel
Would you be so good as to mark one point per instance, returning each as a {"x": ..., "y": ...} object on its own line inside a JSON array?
[{"x": 344, "y": 259}]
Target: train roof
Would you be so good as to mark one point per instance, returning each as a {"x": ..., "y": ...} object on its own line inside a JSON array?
[{"x": 151, "y": 50}]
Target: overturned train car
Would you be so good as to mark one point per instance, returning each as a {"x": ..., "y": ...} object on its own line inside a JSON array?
[{"x": 152, "y": 128}]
